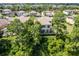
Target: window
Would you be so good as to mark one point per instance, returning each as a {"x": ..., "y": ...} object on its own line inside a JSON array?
[
  {"x": 48, "y": 31},
  {"x": 48, "y": 26},
  {"x": 42, "y": 31}
]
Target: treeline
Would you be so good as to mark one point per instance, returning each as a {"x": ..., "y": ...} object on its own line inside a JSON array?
[
  {"x": 38, "y": 7},
  {"x": 25, "y": 39}
]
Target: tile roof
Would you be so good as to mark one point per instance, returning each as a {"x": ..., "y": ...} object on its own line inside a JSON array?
[
  {"x": 3, "y": 23},
  {"x": 23, "y": 19},
  {"x": 44, "y": 20}
]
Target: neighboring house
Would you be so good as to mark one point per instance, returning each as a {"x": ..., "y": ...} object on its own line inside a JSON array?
[
  {"x": 33, "y": 13},
  {"x": 3, "y": 23},
  {"x": 23, "y": 19},
  {"x": 7, "y": 12},
  {"x": 3, "y": 29},
  {"x": 25, "y": 14},
  {"x": 9, "y": 18},
  {"x": 48, "y": 13},
  {"x": 76, "y": 11},
  {"x": 68, "y": 12},
  {"x": 70, "y": 20},
  {"x": 38, "y": 14},
  {"x": 20, "y": 13}
]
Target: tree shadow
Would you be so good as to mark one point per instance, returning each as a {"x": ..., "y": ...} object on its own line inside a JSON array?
[{"x": 5, "y": 46}]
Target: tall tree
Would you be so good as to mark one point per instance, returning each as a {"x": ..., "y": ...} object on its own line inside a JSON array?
[
  {"x": 75, "y": 37},
  {"x": 28, "y": 38},
  {"x": 59, "y": 24},
  {"x": 56, "y": 43}
]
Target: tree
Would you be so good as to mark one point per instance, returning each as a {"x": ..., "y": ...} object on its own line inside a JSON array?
[
  {"x": 68, "y": 45},
  {"x": 24, "y": 41},
  {"x": 75, "y": 37},
  {"x": 56, "y": 47},
  {"x": 58, "y": 42},
  {"x": 27, "y": 8},
  {"x": 5, "y": 47},
  {"x": 59, "y": 24},
  {"x": 76, "y": 27},
  {"x": 15, "y": 7},
  {"x": 28, "y": 38}
]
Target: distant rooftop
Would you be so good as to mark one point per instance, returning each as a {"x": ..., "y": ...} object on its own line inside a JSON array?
[{"x": 3, "y": 23}]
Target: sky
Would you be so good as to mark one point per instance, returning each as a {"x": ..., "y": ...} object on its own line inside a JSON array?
[{"x": 39, "y": 1}]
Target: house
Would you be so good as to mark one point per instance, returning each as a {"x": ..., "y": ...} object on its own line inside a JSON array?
[
  {"x": 76, "y": 11},
  {"x": 3, "y": 23},
  {"x": 68, "y": 12},
  {"x": 7, "y": 12},
  {"x": 20, "y": 13},
  {"x": 46, "y": 25},
  {"x": 3, "y": 29},
  {"x": 70, "y": 20},
  {"x": 23, "y": 19},
  {"x": 71, "y": 12},
  {"x": 48, "y": 13},
  {"x": 38, "y": 14},
  {"x": 25, "y": 14},
  {"x": 9, "y": 18},
  {"x": 33, "y": 13}
]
